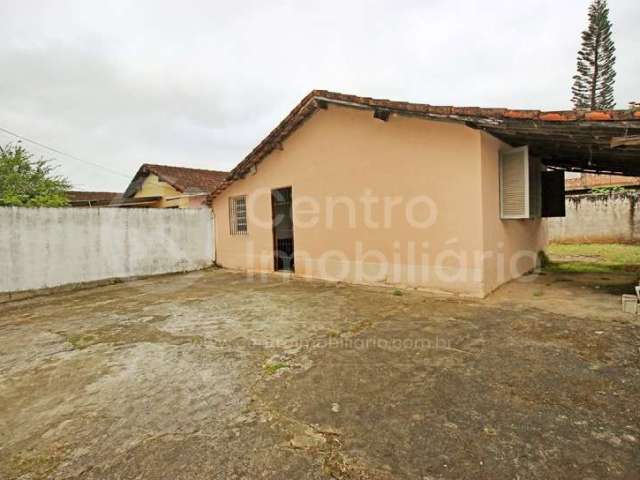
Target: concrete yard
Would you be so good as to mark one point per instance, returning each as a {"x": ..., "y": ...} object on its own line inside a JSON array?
[{"x": 213, "y": 375}]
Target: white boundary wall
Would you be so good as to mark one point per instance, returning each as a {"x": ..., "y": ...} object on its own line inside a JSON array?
[
  {"x": 595, "y": 218},
  {"x": 48, "y": 247}
]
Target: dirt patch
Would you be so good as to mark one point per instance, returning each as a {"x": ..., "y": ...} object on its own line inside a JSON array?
[{"x": 213, "y": 375}]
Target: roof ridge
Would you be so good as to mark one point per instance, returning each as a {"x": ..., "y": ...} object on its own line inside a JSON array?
[
  {"x": 184, "y": 168},
  {"x": 333, "y": 95}
]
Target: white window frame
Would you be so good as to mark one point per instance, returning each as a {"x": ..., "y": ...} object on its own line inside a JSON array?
[{"x": 525, "y": 159}]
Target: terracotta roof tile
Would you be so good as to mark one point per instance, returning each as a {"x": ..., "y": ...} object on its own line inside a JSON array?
[
  {"x": 522, "y": 114},
  {"x": 598, "y": 116},
  {"x": 186, "y": 180},
  {"x": 555, "y": 117},
  {"x": 507, "y": 124}
]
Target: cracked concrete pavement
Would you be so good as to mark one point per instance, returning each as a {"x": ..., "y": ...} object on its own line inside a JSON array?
[{"x": 214, "y": 374}]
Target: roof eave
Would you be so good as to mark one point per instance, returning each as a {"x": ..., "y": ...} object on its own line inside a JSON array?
[{"x": 474, "y": 117}]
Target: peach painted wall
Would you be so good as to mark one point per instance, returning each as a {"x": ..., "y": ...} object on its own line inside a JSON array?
[
  {"x": 511, "y": 246},
  {"x": 342, "y": 154}
]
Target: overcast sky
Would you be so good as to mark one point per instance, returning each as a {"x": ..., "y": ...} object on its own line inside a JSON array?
[{"x": 199, "y": 83}]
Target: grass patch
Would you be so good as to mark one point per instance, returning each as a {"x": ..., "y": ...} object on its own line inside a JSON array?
[
  {"x": 593, "y": 258},
  {"x": 584, "y": 267},
  {"x": 271, "y": 368}
]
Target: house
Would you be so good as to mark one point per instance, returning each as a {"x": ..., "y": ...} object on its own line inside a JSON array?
[
  {"x": 164, "y": 186},
  {"x": 78, "y": 198},
  {"x": 587, "y": 181},
  {"x": 375, "y": 191}
]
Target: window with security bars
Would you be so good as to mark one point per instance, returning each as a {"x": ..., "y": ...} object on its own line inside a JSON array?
[{"x": 238, "y": 215}]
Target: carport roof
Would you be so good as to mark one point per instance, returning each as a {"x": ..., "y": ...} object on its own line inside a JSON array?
[{"x": 591, "y": 141}]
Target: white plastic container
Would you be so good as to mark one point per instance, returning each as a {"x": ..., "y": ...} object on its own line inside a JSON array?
[{"x": 630, "y": 304}]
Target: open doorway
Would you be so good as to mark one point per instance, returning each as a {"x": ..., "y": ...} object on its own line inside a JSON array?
[{"x": 282, "y": 229}]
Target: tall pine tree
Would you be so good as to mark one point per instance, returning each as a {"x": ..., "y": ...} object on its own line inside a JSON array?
[{"x": 593, "y": 84}]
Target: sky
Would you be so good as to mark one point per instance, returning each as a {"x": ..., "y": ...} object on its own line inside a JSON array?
[{"x": 199, "y": 83}]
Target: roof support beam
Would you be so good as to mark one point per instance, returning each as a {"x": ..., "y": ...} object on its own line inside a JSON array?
[{"x": 632, "y": 140}]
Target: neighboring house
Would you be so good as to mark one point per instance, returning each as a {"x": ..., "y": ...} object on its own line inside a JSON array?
[
  {"x": 92, "y": 199},
  {"x": 587, "y": 181},
  {"x": 164, "y": 186},
  {"x": 375, "y": 191}
]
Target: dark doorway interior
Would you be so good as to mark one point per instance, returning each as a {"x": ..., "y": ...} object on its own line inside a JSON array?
[
  {"x": 282, "y": 229},
  {"x": 553, "y": 194}
]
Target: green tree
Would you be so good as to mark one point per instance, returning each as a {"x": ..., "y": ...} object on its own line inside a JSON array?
[
  {"x": 25, "y": 182},
  {"x": 593, "y": 84}
]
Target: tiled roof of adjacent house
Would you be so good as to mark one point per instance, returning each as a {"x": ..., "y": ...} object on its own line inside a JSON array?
[
  {"x": 186, "y": 180},
  {"x": 77, "y": 195},
  {"x": 571, "y": 139},
  {"x": 78, "y": 198},
  {"x": 590, "y": 180}
]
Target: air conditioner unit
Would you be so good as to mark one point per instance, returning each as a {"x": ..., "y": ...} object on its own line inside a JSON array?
[{"x": 520, "y": 185}]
